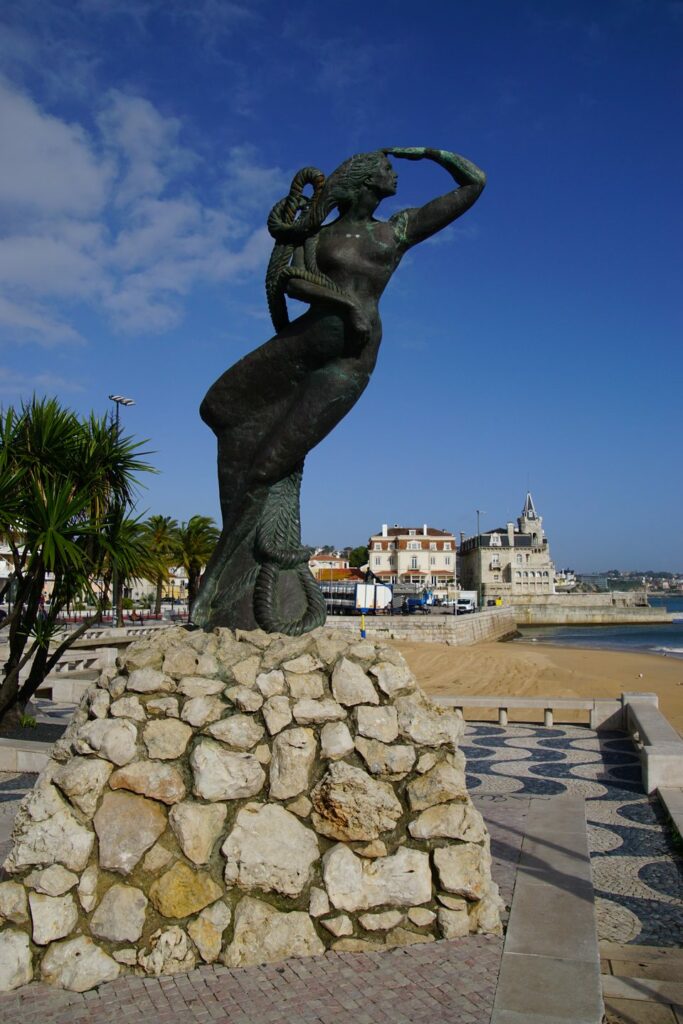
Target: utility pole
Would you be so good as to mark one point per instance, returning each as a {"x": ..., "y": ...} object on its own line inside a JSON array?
[
  {"x": 480, "y": 588},
  {"x": 118, "y": 401}
]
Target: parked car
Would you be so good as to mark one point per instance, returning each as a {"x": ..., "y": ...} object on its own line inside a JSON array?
[{"x": 465, "y": 605}]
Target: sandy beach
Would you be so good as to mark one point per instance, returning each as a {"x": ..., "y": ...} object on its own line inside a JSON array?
[{"x": 527, "y": 669}]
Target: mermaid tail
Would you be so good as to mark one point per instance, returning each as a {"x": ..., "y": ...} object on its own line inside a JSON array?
[{"x": 259, "y": 575}]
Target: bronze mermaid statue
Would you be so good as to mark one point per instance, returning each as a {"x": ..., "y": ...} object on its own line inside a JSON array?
[{"x": 274, "y": 405}]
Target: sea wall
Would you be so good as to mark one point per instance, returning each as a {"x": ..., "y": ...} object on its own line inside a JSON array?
[
  {"x": 611, "y": 599},
  {"x": 497, "y": 623},
  {"x": 573, "y": 614},
  {"x": 437, "y": 628}
]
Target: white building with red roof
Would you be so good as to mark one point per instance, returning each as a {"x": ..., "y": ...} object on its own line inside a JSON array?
[
  {"x": 419, "y": 555},
  {"x": 323, "y": 561}
]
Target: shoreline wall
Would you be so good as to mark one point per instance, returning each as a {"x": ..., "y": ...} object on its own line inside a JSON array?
[
  {"x": 570, "y": 615},
  {"x": 492, "y": 624},
  {"x": 606, "y": 599},
  {"x": 456, "y": 630}
]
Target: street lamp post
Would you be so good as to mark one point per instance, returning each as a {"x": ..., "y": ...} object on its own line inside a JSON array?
[
  {"x": 118, "y": 401},
  {"x": 480, "y": 512}
]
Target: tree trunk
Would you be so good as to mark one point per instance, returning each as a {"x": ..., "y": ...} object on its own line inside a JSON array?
[
  {"x": 50, "y": 660},
  {"x": 192, "y": 586},
  {"x": 157, "y": 603},
  {"x": 28, "y": 601},
  {"x": 36, "y": 676},
  {"x": 119, "y": 602},
  {"x": 9, "y": 689}
]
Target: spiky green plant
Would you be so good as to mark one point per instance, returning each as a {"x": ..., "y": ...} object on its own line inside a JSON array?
[
  {"x": 66, "y": 485},
  {"x": 196, "y": 540}
]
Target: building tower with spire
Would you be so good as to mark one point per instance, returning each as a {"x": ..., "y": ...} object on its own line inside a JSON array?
[{"x": 509, "y": 563}]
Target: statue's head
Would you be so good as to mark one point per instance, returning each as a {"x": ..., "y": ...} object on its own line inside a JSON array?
[{"x": 365, "y": 170}]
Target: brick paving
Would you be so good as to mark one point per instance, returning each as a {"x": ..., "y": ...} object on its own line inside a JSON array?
[
  {"x": 433, "y": 982},
  {"x": 443, "y": 982}
]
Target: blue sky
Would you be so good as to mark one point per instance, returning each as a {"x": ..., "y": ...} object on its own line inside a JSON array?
[{"x": 534, "y": 344}]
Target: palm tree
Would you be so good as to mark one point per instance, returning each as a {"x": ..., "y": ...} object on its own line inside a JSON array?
[
  {"x": 161, "y": 537},
  {"x": 196, "y": 540},
  {"x": 65, "y": 485}
]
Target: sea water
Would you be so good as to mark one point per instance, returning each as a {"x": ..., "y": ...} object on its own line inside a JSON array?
[{"x": 662, "y": 638}]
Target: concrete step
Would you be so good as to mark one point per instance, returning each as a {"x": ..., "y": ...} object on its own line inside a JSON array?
[
  {"x": 67, "y": 687},
  {"x": 23, "y": 755},
  {"x": 642, "y": 984}
]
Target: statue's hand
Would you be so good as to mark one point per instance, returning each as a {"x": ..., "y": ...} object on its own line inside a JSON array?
[{"x": 406, "y": 152}]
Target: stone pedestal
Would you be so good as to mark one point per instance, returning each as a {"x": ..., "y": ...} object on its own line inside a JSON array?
[{"x": 243, "y": 797}]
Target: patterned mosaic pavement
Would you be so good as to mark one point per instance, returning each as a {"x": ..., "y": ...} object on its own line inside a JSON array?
[{"x": 637, "y": 871}]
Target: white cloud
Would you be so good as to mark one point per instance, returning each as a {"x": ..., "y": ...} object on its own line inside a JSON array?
[
  {"x": 144, "y": 144},
  {"x": 47, "y": 266},
  {"x": 249, "y": 185},
  {"x": 47, "y": 165},
  {"x": 22, "y": 322},
  {"x": 114, "y": 219},
  {"x": 21, "y": 384}
]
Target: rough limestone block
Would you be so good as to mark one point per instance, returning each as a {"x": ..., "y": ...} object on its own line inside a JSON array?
[
  {"x": 149, "y": 778},
  {"x": 115, "y": 739},
  {"x": 46, "y": 832},
  {"x": 242, "y": 732},
  {"x": 352, "y": 883},
  {"x": 220, "y": 774},
  {"x": 292, "y": 759},
  {"x": 166, "y": 740},
  {"x": 16, "y": 967},
  {"x": 120, "y": 916},
  {"x": 126, "y": 827},
  {"x": 269, "y": 849},
  {"x": 350, "y": 685},
  {"x": 181, "y": 891},
  {"x": 263, "y": 933},
  {"x": 82, "y": 780},
  {"x": 52, "y": 881},
  {"x": 197, "y": 827},
  {"x": 53, "y": 917},
  {"x": 13, "y": 902},
  {"x": 349, "y": 804}
]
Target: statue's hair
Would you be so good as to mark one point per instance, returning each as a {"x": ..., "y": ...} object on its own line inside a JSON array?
[
  {"x": 295, "y": 219},
  {"x": 335, "y": 192},
  {"x": 348, "y": 178}
]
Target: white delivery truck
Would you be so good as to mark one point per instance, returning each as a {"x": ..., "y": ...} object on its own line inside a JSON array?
[
  {"x": 345, "y": 597},
  {"x": 466, "y": 602}
]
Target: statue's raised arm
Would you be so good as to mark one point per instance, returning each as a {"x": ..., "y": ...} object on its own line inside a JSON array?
[{"x": 415, "y": 225}]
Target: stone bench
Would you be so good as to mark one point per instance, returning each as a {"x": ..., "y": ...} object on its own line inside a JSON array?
[
  {"x": 659, "y": 745},
  {"x": 601, "y": 713}
]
